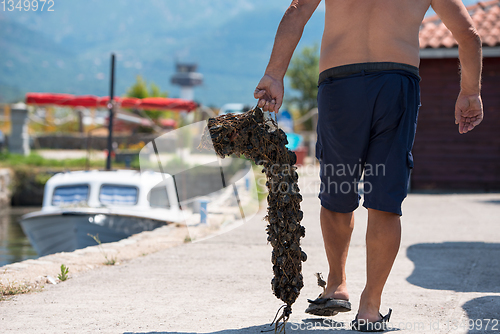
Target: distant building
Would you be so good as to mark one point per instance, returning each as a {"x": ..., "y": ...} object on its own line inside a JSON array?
[
  {"x": 444, "y": 159},
  {"x": 187, "y": 77}
]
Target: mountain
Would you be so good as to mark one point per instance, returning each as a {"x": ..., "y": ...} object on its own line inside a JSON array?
[{"x": 68, "y": 50}]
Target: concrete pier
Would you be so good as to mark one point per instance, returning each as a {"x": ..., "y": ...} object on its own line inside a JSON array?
[{"x": 444, "y": 279}]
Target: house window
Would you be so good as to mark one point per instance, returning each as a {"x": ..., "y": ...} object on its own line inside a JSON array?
[
  {"x": 118, "y": 195},
  {"x": 70, "y": 195}
]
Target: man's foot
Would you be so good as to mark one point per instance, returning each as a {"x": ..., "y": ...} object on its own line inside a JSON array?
[
  {"x": 326, "y": 307},
  {"x": 336, "y": 292},
  {"x": 363, "y": 325},
  {"x": 330, "y": 303},
  {"x": 372, "y": 316},
  {"x": 369, "y": 306}
]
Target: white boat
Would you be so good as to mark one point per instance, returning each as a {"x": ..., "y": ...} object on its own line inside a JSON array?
[{"x": 109, "y": 204}]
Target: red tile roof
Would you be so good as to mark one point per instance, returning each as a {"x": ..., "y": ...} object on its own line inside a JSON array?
[{"x": 486, "y": 17}]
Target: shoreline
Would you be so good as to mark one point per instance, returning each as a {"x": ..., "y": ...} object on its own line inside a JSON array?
[{"x": 35, "y": 274}]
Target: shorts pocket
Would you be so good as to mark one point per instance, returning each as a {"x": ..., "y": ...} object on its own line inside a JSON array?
[
  {"x": 319, "y": 151},
  {"x": 409, "y": 160}
]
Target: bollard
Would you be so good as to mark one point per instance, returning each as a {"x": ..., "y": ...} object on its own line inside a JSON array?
[
  {"x": 247, "y": 183},
  {"x": 203, "y": 210},
  {"x": 19, "y": 137}
]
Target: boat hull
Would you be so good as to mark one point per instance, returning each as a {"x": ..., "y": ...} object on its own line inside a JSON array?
[{"x": 66, "y": 232}]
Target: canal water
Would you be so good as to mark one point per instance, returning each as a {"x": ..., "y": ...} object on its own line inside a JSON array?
[{"x": 14, "y": 246}]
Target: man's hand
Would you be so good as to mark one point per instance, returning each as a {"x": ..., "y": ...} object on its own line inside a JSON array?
[
  {"x": 269, "y": 92},
  {"x": 468, "y": 112}
]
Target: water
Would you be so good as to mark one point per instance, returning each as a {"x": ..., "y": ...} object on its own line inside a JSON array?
[{"x": 14, "y": 246}]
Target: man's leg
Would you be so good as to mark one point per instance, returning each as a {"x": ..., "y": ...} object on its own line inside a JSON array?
[
  {"x": 337, "y": 229},
  {"x": 383, "y": 237}
]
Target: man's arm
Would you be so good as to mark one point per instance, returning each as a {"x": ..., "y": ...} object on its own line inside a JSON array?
[
  {"x": 270, "y": 90},
  {"x": 469, "y": 107}
]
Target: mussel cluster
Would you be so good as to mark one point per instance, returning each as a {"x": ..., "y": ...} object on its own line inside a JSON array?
[{"x": 261, "y": 141}]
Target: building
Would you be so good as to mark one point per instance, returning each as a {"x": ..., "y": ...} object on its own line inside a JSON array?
[
  {"x": 187, "y": 77},
  {"x": 444, "y": 159}
]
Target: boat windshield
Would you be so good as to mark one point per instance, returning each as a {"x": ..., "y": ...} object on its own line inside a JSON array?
[
  {"x": 70, "y": 195},
  {"x": 111, "y": 194},
  {"x": 158, "y": 197}
]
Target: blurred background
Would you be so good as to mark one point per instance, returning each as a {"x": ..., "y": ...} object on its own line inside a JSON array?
[{"x": 212, "y": 53}]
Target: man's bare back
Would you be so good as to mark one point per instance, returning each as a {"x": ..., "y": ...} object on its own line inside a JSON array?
[{"x": 359, "y": 31}]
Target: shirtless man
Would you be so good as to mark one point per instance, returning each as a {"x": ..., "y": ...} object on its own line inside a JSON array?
[{"x": 368, "y": 103}]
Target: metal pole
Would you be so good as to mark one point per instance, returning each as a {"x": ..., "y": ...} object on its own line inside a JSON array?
[{"x": 110, "y": 105}]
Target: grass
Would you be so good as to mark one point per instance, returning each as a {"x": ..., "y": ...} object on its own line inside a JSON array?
[
  {"x": 12, "y": 160},
  {"x": 109, "y": 261},
  {"x": 35, "y": 160},
  {"x": 64, "y": 273},
  {"x": 12, "y": 289}
]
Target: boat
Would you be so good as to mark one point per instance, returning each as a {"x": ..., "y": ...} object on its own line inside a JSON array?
[{"x": 109, "y": 205}]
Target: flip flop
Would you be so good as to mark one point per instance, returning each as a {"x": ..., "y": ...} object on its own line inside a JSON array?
[
  {"x": 327, "y": 306},
  {"x": 371, "y": 326}
]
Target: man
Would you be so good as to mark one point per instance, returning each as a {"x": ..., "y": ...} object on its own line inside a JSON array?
[{"x": 368, "y": 102}]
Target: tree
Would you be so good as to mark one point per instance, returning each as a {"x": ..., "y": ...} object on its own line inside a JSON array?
[
  {"x": 140, "y": 91},
  {"x": 303, "y": 73}
]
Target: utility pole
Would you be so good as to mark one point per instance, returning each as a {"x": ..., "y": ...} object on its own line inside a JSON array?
[{"x": 111, "y": 114}]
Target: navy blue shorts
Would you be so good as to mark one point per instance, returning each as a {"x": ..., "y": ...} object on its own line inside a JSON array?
[{"x": 366, "y": 125}]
